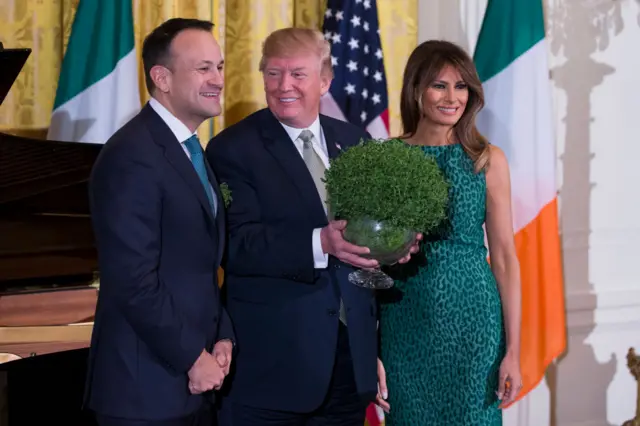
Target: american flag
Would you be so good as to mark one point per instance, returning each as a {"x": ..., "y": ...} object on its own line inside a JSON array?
[{"x": 358, "y": 92}]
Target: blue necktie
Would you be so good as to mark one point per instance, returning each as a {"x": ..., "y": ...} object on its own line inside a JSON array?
[{"x": 195, "y": 150}]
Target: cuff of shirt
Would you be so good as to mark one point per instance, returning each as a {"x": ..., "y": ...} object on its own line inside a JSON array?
[{"x": 320, "y": 259}]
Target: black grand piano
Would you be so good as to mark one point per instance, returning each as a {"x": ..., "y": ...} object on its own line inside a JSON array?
[{"x": 48, "y": 270}]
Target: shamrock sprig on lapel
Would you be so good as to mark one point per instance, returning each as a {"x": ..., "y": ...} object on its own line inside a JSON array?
[{"x": 226, "y": 194}]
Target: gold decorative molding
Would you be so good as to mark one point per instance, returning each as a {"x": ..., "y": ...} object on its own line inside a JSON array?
[{"x": 633, "y": 362}]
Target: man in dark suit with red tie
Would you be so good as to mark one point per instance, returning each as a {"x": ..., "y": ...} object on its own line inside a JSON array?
[{"x": 161, "y": 342}]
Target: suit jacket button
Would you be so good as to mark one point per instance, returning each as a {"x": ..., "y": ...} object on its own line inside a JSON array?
[{"x": 332, "y": 312}]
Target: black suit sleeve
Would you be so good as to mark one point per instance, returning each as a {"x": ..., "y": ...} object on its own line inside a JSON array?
[
  {"x": 225, "y": 330},
  {"x": 256, "y": 248},
  {"x": 225, "y": 326},
  {"x": 126, "y": 209}
]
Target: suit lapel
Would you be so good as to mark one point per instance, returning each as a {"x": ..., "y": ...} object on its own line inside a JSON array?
[
  {"x": 330, "y": 137},
  {"x": 176, "y": 156},
  {"x": 220, "y": 216},
  {"x": 280, "y": 146}
]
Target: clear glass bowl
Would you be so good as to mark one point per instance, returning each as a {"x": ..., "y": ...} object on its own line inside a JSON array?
[{"x": 387, "y": 243}]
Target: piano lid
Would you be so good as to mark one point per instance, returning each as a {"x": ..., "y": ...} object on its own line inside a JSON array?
[
  {"x": 45, "y": 222},
  {"x": 35, "y": 167},
  {"x": 12, "y": 61}
]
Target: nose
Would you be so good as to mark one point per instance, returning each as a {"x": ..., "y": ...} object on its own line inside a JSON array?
[
  {"x": 450, "y": 94},
  {"x": 216, "y": 78},
  {"x": 284, "y": 84}
]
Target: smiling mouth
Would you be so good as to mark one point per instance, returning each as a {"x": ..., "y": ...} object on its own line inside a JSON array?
[
  {"x": 448, "y": 110},
  {"x": 210, "y": 94},
  {"x": 287, "y": 100}
]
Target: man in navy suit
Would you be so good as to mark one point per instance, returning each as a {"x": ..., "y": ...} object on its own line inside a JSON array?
[
  {"x": 161, "y": 342},
  {"x": 307, "y": 338}
]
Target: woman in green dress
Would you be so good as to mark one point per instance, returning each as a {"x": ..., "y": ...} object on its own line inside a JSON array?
[{"x": 450, "y": 328}]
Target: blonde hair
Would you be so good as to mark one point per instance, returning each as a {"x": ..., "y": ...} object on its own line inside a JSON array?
[
  {"x": 288, "y": 42},
  {"x": 423, "y": 67}
]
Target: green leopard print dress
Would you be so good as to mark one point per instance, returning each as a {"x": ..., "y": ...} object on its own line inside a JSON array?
[{"x": 442, "y": 333}]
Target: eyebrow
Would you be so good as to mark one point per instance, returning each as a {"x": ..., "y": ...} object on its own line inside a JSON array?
[
  {"x": 444, "y": 82},
  {"x": 291, "y": 70},
  {"x": 208, "y": 62}
]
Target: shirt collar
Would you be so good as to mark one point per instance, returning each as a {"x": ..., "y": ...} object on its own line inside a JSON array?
[
  {"x": 294, "y": 133},
  {"x": 178, "y": 128}
]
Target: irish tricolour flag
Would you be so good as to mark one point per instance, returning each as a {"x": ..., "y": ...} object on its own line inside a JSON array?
[
  {"x": 98, "y": 86},
  {"x": 511, "y": 57}
]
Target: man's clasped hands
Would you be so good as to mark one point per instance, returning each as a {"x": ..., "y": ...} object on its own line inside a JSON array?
[{"x": 210, "y": 369}]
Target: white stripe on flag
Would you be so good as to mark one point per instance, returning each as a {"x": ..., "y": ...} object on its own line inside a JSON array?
[
  {"x": 329, "y": 107},
  {"x": 517, "y": 119},
  {"x": 97, "y": 112},
  {"x": 377, "y": 129}
]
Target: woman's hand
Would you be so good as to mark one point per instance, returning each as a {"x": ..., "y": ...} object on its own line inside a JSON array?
[
  {"x": 510, "y": 381},
  {"x": 415, "y": 247},
  {"x": 382, "y": 388}
]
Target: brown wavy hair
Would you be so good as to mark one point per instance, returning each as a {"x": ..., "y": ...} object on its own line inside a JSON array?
[{"x": 423, "y": 67}]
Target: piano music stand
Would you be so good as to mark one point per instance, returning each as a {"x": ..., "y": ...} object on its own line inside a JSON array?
[{"x": 12, "y": 61}]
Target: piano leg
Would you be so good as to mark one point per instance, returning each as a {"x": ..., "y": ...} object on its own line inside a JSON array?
[{"x": 47, "y": 389}]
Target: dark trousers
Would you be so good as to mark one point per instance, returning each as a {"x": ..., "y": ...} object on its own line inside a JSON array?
[
  {"x": 202, "y": 417},
  {"x": 343, "y": 406}
]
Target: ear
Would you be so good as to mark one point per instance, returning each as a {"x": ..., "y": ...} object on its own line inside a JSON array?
[
  {"x": 325, "y": 83},
  {"x": 161, "y": 77}
]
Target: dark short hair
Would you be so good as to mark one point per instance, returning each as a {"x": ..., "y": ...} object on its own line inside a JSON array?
[{"x": 156, "y": 48}]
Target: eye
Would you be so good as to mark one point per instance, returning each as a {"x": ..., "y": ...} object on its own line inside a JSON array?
[
  {"x": 298, "y": 75},
  {"x": 438, "y": 86},
  {"x": 461, "y": 86},
  {"x": 203, "y": 69}
]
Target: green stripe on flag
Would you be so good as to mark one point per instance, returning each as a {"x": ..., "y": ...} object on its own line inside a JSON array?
[
  {"x": 101, "y": 35},
  {"x": 509, "y": 28}
]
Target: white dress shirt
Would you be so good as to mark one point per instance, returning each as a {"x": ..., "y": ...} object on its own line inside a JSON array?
[
  {"x": 178, "y": 128},
  {"x": 320, "y": 259},
  {"x": 181, "y": 132}
]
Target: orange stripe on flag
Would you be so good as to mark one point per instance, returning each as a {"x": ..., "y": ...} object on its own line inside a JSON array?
[{"x": 543, "y": 330}]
